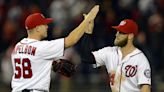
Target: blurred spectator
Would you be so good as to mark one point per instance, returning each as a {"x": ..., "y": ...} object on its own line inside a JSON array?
[
  {"x": 7, "y": 66},
  {"x": 126, "y": 4},
  {"x": 146, "y": 6},
  {"x": 156, "y": 37},
  {"x": 160, "y": 5},
  {"x": 64, "y": 11},
  {"x": 8, "y": 34},
  {"x": 14, "y": 13},
  {"x": 58, "y": 11}
]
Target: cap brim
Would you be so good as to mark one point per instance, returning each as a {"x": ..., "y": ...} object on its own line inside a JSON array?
[
  {"x": 115, "y": 27},
  {"x": 48, "y": 20},
  {"x": 118, "y": 28}
]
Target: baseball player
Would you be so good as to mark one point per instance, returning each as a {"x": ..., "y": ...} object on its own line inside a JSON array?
[
  {"x": 127, "y": 66},
  {"x": 32, "y": 58}
]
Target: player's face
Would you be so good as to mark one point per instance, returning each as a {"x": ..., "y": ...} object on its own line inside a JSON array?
[
  {"x": 121, "y": 39},
  {"x": 43, "y": 31}
]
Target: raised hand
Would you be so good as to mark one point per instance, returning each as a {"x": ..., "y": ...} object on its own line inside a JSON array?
[
  {"x": 90, "y": 26},
  {"x": 89, "y": 18},
  {"x": 92, "y": 14}
]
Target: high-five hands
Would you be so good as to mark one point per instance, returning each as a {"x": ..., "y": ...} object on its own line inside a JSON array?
[
  {"x": 93, "y": 12},
  {"x": 90, "y": 19},
  {"x": 89, "y": 28}
]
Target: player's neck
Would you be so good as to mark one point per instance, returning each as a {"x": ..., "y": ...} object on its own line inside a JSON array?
[
  {"x": 127, "y": 49},
  {"x": 34, "y": 37}
]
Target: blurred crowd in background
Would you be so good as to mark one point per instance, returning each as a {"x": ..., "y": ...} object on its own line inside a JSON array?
[{"x": 67, "y": 14}]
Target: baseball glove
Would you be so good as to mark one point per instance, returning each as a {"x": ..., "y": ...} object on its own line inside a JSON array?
[{"x": 64, "y": 67}]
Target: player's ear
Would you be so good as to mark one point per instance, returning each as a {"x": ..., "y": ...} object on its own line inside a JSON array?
[
  {"x": 37, "y": 28},
  {"x": 131, "y": 36}
]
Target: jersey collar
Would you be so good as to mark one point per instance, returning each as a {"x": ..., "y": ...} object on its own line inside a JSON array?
[
  {"x": 126, "y": 58},
  {"x": 27, "y": 41}
]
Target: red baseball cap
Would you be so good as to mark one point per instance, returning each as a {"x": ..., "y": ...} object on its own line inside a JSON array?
[
  {"x": 36, "y": 19},
  {"x": 127, "y": 26}
]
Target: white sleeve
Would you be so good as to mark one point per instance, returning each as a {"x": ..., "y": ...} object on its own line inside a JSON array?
[
  {"x": 53, "y": 49},
  {"x": 144, "y": 71},
  {"x": 100, "y": 57}
]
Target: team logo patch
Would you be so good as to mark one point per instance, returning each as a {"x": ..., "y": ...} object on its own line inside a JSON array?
[
  {"x": 147, "y": 73},
  {"x": 130, "y": 70}
]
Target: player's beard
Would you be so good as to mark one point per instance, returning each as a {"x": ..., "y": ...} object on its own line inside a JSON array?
[
  {"x": 45, "y": 34},
  {"x": 122, "y": 42}
]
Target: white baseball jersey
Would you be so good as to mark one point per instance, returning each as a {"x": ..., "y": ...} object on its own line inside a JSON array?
[
  {"x": 125, "y": 75},
  {"x": 32, "y": 62}
]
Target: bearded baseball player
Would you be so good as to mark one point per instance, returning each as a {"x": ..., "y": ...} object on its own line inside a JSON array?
[
  {"x": 127, "y": 66},
  {"x": 32, "y": 57}
]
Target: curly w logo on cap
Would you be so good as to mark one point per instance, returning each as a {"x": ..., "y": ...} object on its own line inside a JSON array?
[
  {"x": 127, "y": 26},
  {"x": 122, "y": 23}
]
